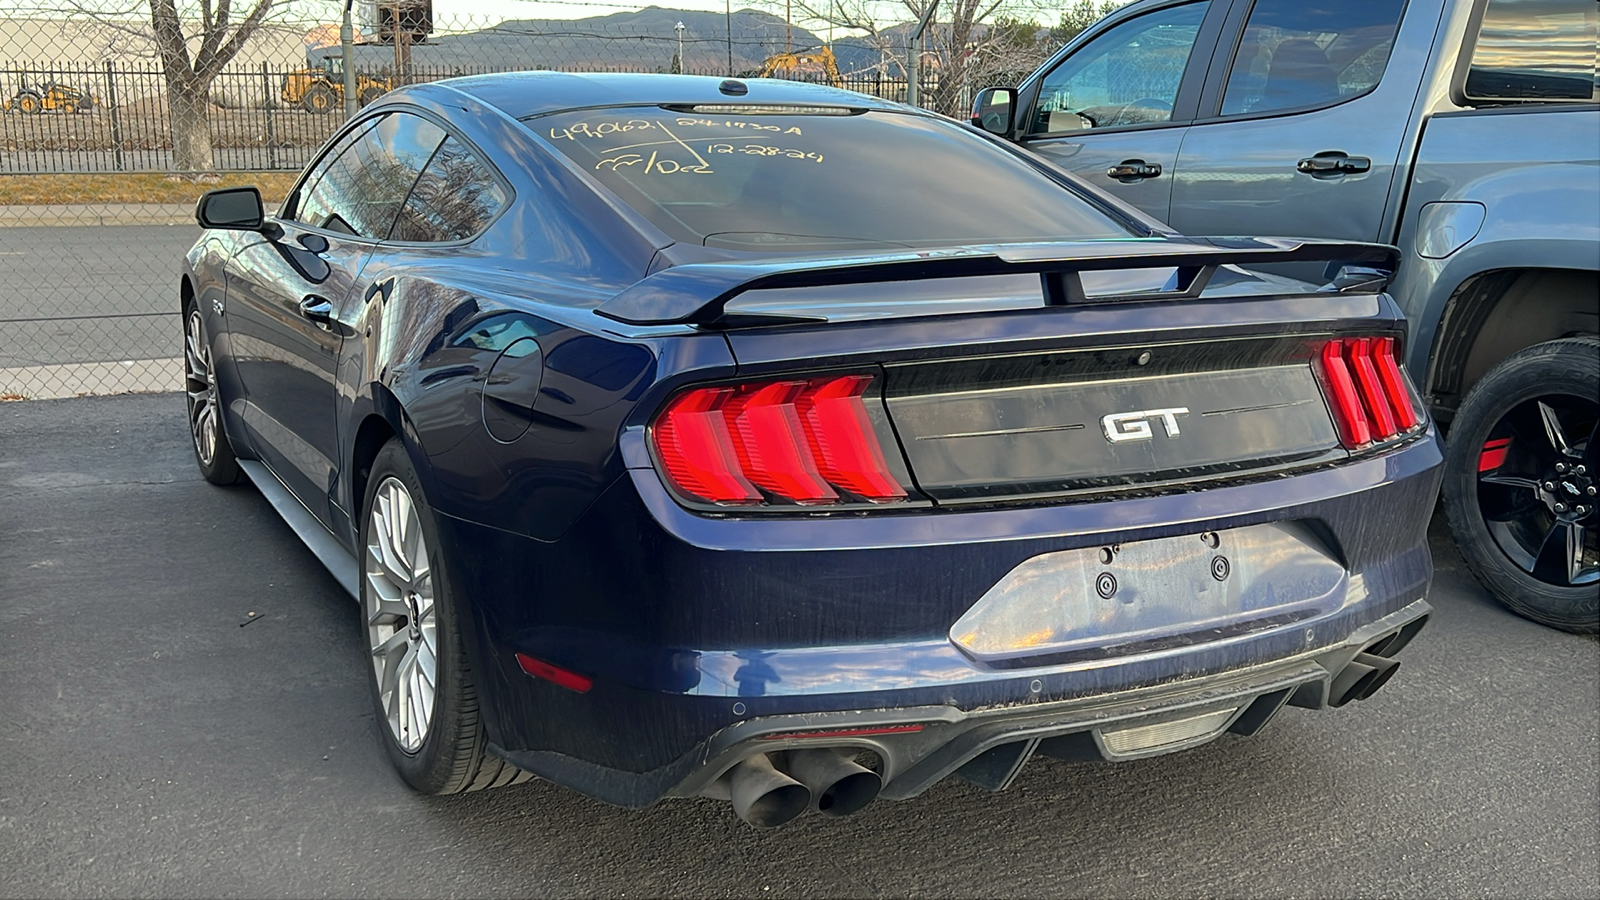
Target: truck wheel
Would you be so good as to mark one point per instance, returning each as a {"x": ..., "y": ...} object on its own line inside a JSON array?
[
  {"x": 369, "y": 94},
  {"x": 320, "y": 99},
  {"x": 1522, "y": 472},
  {"x": 29, "y": 103}
]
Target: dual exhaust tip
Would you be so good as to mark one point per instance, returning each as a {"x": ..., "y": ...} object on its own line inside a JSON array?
[
  {"x": 1361, "y": 678},
  {"x": 769, "y": 789}
]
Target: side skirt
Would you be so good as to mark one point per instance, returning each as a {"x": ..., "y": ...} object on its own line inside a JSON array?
[{"x": 321, "y": 542}]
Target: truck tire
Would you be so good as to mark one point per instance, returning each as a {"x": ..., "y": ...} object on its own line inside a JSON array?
[
  {"x": 29, "y": 102},
  {"x": 320, "y": 99},
  {"x": 1522, "y": 472},
  {"x": 369, "y": 94}
]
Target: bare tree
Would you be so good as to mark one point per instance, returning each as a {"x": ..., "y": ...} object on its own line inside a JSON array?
[
  {"x": 193, "y": 46},
  {"x": 962, "y": 44},
  {"x": 189, "y": 76}
]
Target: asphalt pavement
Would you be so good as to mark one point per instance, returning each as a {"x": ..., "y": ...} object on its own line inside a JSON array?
[
  {"x": 66, "y": 275},
  {"x": 157, "y": 740}
]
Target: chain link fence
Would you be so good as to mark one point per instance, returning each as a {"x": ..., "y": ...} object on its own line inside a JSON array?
[{"x": 100, "y": 164}]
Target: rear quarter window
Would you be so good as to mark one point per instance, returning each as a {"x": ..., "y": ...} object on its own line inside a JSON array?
[{"x": 1535, "y": 50}]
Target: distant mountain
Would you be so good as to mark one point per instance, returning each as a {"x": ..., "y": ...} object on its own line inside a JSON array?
[{"x": 645, "y": 40}]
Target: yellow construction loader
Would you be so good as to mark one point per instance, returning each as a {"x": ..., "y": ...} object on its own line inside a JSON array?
[
  {"x": 321, "y": 90},
  {"x": 50, "y": 96},
  {"x": 789, "y": 65}
]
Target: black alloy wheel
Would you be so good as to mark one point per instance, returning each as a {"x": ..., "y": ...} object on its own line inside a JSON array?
[{"x": 1522, "y": 483}]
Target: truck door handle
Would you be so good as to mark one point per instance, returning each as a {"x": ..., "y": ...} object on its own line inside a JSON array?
[
  {"x": 1134, "y": 170},
  {"x": 1333, "y": 162},
  {"x": 317, "y": 309}
]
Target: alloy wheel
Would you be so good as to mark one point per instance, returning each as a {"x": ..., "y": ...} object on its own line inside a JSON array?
[
  {"x": 201, "y": 385},
  {"x": 402, "y": 620},
  {"x": 1538, "y": 487}
]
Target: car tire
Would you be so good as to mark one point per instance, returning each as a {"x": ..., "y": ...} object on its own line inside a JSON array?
[
  {"x": 1521, "y": 480},
  {"x": 208, "y": 437},
  {"x": 435, "y": 738}
]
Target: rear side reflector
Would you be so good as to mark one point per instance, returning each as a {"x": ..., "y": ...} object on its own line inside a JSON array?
[
  {"x": 538, "y": 668},
  {"x": 801, "y": 441},
  {"x": 1368, "y": 392}
]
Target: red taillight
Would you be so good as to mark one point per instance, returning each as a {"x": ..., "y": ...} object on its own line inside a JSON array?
[
  {"x": 1348, "y": 414},
  {"x": 840, "y": 434},
  {"x": 538, "y": 668},
  {"x": 697, "y": 450},
  {"x": 1369, "y": 395},
  {"x": 772, "y": 445},
  {"x": 1394, "y": 384},
  {"x": 800, "y": 441}
]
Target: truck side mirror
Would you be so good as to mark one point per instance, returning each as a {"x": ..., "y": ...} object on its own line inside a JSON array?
[
  {"x": 235, "y": 209},
  {"x": 994, "y": 110}
]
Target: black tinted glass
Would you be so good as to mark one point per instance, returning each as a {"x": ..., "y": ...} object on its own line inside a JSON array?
[
  {"x": 364, "y": 188},
  {"x": 1310, "y": 53},
  {"x": 746, "y": 178},
  {"x": 453, "y": 200},
  {"x": 1536, "y": 50}
]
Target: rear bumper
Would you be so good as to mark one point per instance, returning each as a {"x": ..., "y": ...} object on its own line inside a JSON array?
[
  {"x": 989, "y": 747},
  {"x": 706, "y": 636}
]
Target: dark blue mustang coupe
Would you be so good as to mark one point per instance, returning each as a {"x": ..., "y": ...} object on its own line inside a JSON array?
[{"x": 757, "y": 440}]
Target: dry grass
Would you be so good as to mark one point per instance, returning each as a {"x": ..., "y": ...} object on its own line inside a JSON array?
[{"x": 56, "y": 190}]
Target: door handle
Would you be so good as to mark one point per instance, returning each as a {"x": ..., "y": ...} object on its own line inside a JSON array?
[
  {"x": 317, "y": 309},
  {"x": 1333, "y": 162},
  {"x": 1134, "y": 170}
]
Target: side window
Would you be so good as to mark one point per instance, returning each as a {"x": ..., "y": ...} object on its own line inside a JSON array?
[
  {"x": 1536, "y": 50},
  {"x": 454, "y": 199},
  {"x": 297, "y": 201},
  {"x": 1298, "y": 53},
  {"x": 364, "y": 188},
  {"x": 1126, "y": 76}
]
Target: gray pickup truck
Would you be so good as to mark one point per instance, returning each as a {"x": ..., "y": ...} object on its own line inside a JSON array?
[{"x": 1467, "y": 132}]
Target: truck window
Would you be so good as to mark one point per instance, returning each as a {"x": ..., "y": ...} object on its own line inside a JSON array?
[
  {"x": 1535, "y": 50},
  {"x": 1126, "y": 76},
  {"x": 1296, "y": 53}
]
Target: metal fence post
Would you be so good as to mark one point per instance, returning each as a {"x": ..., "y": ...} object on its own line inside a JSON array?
[
  {"x": 271, "y": 107},
  {"x": 114, "y": 108}
]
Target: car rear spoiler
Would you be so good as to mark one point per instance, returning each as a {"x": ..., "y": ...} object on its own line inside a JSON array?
[{"x": 698, "y": 293}]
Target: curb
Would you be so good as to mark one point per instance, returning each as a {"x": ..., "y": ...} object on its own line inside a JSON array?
[{"x": 53, "y": 382}]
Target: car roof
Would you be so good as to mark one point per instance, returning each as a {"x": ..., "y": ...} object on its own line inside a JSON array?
[{"x": 523, "y": 94}]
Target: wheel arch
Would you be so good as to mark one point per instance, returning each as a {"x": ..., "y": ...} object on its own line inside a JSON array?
[
  {"x": 1493, "y": 314},
  {"x": 379, "y": 416}
]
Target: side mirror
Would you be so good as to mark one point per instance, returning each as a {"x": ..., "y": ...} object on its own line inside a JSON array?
[
  {"x": 236, "y": 209},
  {"x": 994, "y": 110}
]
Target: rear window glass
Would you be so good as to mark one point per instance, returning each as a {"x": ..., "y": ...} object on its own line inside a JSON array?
[
  {"x": 1536, "y": 50},
  {"x": 782, "y": 179}
]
